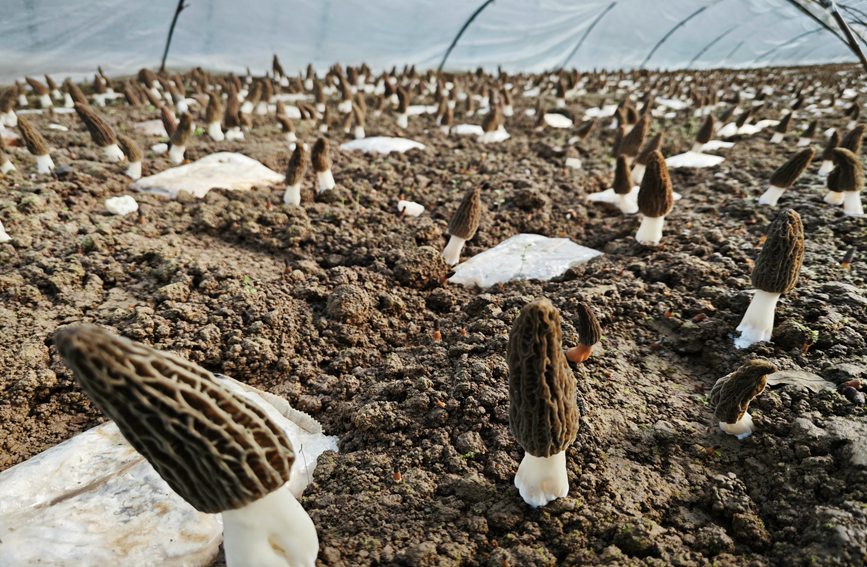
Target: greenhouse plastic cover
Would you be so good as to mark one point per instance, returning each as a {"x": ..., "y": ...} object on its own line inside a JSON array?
[{"x": 72, "y": 37}]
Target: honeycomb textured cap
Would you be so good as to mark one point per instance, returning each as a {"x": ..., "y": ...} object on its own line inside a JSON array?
[
  {"x": 182, "y": 133},
  {"x": 833, "y": 142},
  {"x": 853, "y": 139},
  {"x": 652, "y": 145},
  {"x": 631, "y": 143},
  {"x": 779, "y": 262},
  {"x": 32, "y": 138},
  {"x": 215, "y": 449},
  {"x": 214, "y": 110},
  {"x": 786, "y": 175},
  {"x": 320, "y": 156},
  {"x": 848, "y": 173},
  {"x": 129, "y": 148},
  {"x": 655, "y": 198},
  {"x": 622, "y": 176},
  {"x": 543, "y": 411},
  {"x": 100, "y": 132},
  {"x": 465, "y": 220},
  {"x": 731, "y": 395},
  {"x": 297, "y": 165},
  {"x": 589, "y": 329},
  {"x": 706, "y": 130}
]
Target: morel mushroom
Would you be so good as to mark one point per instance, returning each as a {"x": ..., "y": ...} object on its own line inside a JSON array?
[
  {"x": 101, "y": 132},
  {"x": 402, "y": 108},
  {"x": 543, "y": 409},
  {"x": 786, "y": 175},
  {"x": 731, "y": 396},
  {"x": 180, "y": 137},
  {"x": 295, "y": 175},
  {"x": 41, "y": 90},
  {"x": 782, "y": 128},
  {"x": 35, "y": 145},
  {"x": 828, "y": 154},
  {"x": 589, "y": 333},
  {"x": 219, "y": 451},
  {"x": 655, "y": 200},
  {"x": 845, "y": 182},
  {"x": 775, "y": 273},
  {"x": 638, "y": 169},
  {"x": 704, "y": 134},
  {"x": 322, "y": 165},
  {"x": 214, "y": 117},
  {"x": 463, "y": 225},
  {"x": 133, "y": 156},
  {"x": 807, "y": 135}
]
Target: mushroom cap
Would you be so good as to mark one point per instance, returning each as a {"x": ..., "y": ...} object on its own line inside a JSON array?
[
  {"x": 32, "y": 138},
  {"x": 297, "y": 165},
  {"x": 655, "y": 198},
  {"x": 848, "y": 173},
  {"x": 783, "y": 126},
  {"x": 810, "y": 130},
  {"x": 653, "y": 145},
  {"x": 589, "y": 329},
  {"x": 585, "y": 128},
  {"x": 852, "y": 140},
  {"x": 622, "y": 176},
  {"x": 170, "y": 123},
  {"x": 214, "y": 110},
  {"x": 185, "y": 128},
  {"x": 779, "y": 262},
  {"x": 543, "y": 411},
  {"x": 731, "y": 395},
  {"x": 319, "y": 156},
  {"x": 36, "y": 85},
  {"x": 786, "y": 175},
  {"x": 217, "y": 450},
  {"x": 130, "y": 149},
  {"x": 706, "y": 130},
  {"x": 493, "y": 119},
  {"x": 631, "y": 143},
  {"x": 465, "y": 220},
  {"x": 100, "y": 132},
  {"x": 833, "y": 142}
]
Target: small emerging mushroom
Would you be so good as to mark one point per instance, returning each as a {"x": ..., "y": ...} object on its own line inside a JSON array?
[
  {"x": 295, "y": 175},
  {"x": 786, "y": 175},
  {"x": 622, "y": 193},
  {"x": 100, "y": 132},
  {"x": 807, "y": 135},
  {"x": 322, "y": 165},
  {"x": 775, "y": 273},
  {"x": 845, "y": 182},
  {"x": 133, "y": 156},
  {"x": 828, "y": 154},
  {"x": 41, "y": 90},
  {"x": 180, "y": 137},
  {"x": 655, "y": 200},
  {"x": 463, "y": 225},
  {"x": 219, "y": 451},
  {"x": 402, "y": 108},
  {"x": 543, "y": 409},
  {"x": 782, "y": 128},
  {"x": 214, "y": 117},
  {"x": 731, "y": 396},
  {"x": 589, "y": 333},
  {"x": 35, "y": 145}
]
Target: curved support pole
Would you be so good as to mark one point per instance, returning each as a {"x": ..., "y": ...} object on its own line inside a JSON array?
[
  {"x": 676, "y": 27},
  {"x": 460, "y": 33},
  {"x": 586, "y": 33}
]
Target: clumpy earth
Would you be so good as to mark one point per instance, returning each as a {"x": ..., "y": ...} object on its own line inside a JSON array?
[{"x": 342, "y": 307}]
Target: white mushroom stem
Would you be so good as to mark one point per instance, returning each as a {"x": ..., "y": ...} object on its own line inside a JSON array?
[
  {"x": 4, "y": 236},
  {"x": 45, "y": 101},
  {"x": 325, "y": 179},
  {"x": 445, "y": 130},
  {"x": 67, "y": 101},
  {"x": 771, "y": 195},
  {"x": 758, "y": 321},
  {"x": 777, "y": 138},
  {"x": 215, "y": 131},
  {"x": 452, "y": 251},
  {"x": 112, "y": 153},
  {"x": 638, "y": 173},
  {"x": 44, "y": 164},
  {"x": 826, "y": 167},
  {"x": 9, "y": 119},
  {"x": 697, "y": 147},
  {"x": 402, "y": 120},
  {"x": 133, "y": 170},
  {"x": 508, "y": 111},
  {"x": 358, "y": 132},
  {"x": 308, "y": 84},
  {"x": 803, "y": 142},
  {"x": 345, "y": 106},
  {"x": 176, "y": 154},
  {"x": 741, "y": 429},
  {"x": 99, "y": 99},
  {"x": 561, "y": 103},
  {"x": 852, "y": 204},
  {"x": 262, "y": 108},
  {"x": 6, "y": 167},
  {"x": 323, "y": 128},
  {"x": 273, "y": 531},
  {"x": 573, "y": 162},
  {"x": 540, "y": 480},
  {"x": 56, "y": 94},
  {"x": 834, "y": 198},
  {"x": 292, "y": 195},
  {"x": 247, "y": 107},
  {"x": 320, "y": 107},
  {"x": 851, "y": 124},
  {"x": 650, "y": 231},
  {"x": 234, "y": 133},
  {"x": 291, "y": 137},
  {"x": 22, "y": 101}
]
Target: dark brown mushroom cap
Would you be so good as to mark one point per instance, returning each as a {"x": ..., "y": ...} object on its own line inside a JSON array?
[
  {"x": 589, "y": 330},
  {"x": 465, "y": 220},
  {"x": 744, "y": 117},
  {"x": 706, "y": 130},
  {"x": 493, "y": 119},
  {"x": 286, "y": 124},
  {"x": 7, "y": 99},
  {"x": 631, "y": 143},
  {"x": 131, "y": 94},
  {"x": 585, "y": 128},
  {"x": 833, "y": 142},
  {"x": 297, "y": 165},
  {"x": 848, "y": 173},
  {"x": 182, "y": 133},
  {"x": 783, "y": 126},
  {"x": 786, "y": 175},
  {"x": 231, "y": 117},
  {"x": 779, "y": 262},
  {"x": 50, "y": 82},
  {"x": 403, "y": 98},
  {"x": 74, "y": 92},
  {"x": 852, "y": 140},
  {"x": 129, "y": 148},
  {"x": 653, "y": 145},
  {"x": 543, "y": 412},
  {"x": 36, "y": 85},
  {"x": 618, "y": 140},
  {"x": 32, "y": 138},
  {"x": 810, "y": 130},
  {"x": 622, "y": 176},
  {"x": 214, "y": 110},
  {"x": 320, "y": 156},
  {"x": 217, "y": 450},
  {"x": 731, "y": 395},
  {"x": 170, "y": 123},
  {"x": 655, "y": 197},
  {"x": 100, "y": 132}
]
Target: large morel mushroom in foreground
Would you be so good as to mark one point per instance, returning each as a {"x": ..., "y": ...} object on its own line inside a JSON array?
[
  {"x": 543, "y": 410},
  {"x": 219, "y": 451}
]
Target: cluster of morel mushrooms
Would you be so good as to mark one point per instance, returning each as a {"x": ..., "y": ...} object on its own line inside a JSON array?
[{"x": 173, "y": 412}]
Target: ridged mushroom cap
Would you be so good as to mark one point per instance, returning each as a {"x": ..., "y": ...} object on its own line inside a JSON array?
[
  {"x": 853, "y": 139},
  {"x": 848, "y": 173},
  {"x": 833, "y": 142},
  {"x": 129, "y": 148},
  {"x": 631, "y": 143},
  {"x": 783, "y": 126},
  {"x": 622, "y": 176},
  {"x": 182, "y": 133},
  {"x": 493, "y": 119},
  {"x": 786, "y": 175},
  {"x": 217, "y": 450},
  {"x": 589, "y": 329},
  {"x": 100, "y": 132},
  {"x": 706, "y": 130},
  {"x": 810, "y": 130},
  {"x": 297, "y": 165},
  {"x": 32, "y": 138},
  {"x": 320, "y": 156},
  {"x": 655, "y": 197},
  {"x": 731, "y": 395},
  {"x": 465, "y": 220},
  {"x": 652, "y": 145},
  {"x": 36, "y": 85},
  {"x": 170, "y": 123},
  {"x": 214, "y": 110},
  {"x": 779, "y": 262},
  {"x": 543, "y": 412},
  {"x": 586, "y": 128}
]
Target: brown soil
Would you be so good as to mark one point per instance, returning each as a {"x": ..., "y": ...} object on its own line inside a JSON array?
[{"x": 335, "y": 305}]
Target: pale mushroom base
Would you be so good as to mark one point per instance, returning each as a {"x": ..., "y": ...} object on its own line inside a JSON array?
[
  {"x": 176, "y": 154},
  {"x": 758, "y": 321},
  {"x": 273, "y": 531},
  {"x": 402, "y": 121},
  {"x": 650, "y": 231},
  {"x": 292, "y": 195},
  {"x": 112, "y": 153},
  {"x": 215, "y": 131},
  {"x": 234, "y": 134},
  {"x": 852, "y": 204},
  {"x": 44, "y": 164},
  {"x": 358, "y": 133},
  {"x": 771, "y": 195},
  {"x": 626, "y": 202},
  {"x": 826, "y": 167},
  {"x": 834, "y": 198},
  {"x": 741, "y": 429},
  {"x": 777, "y": 138},
  {"x": 7, "y": 166},
  {"x": 133, "y": 170},
  {"x": 540, "y": 480},
  {"x": 325, "y": 179},
  {"x": 638, "y": 173},
  {"x": 452, "y": 251}
]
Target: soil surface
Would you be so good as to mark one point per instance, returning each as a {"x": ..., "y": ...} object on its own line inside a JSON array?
[{"x": 335, "y": 305}]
